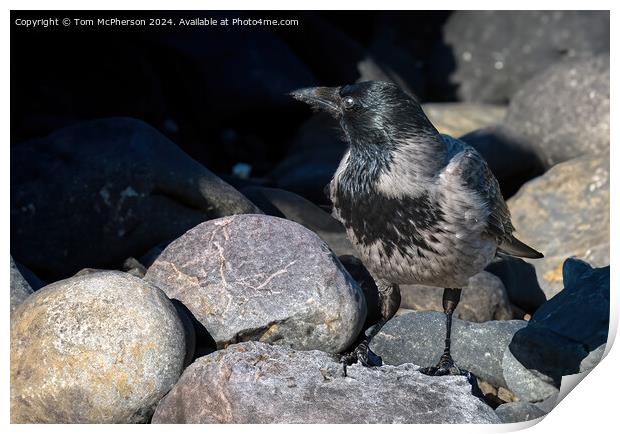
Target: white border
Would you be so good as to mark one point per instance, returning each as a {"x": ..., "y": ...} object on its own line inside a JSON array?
[{"x": 591, "y": 407}]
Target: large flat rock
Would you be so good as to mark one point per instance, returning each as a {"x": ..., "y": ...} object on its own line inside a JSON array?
[{"x": 260, "y": 383}]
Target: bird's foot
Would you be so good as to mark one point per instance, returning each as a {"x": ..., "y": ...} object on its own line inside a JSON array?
[
  {"x": 361, "y": 354},
  {"x": 446, "y": 366}
]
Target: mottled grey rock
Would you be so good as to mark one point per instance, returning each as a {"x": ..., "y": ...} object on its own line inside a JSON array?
[
  {"x": 457, "y": 119},
  {"x": 418, "y": 337},
  {"x": 99, "y": 348},
  {"x": 518, "y": 412},
  {"x": 483, "y": 299},
  {"x": 282, "y": 203},
  {"x": 260, "y": 383},
  {"x": 565, "y": 213},
  {"x": 564, "y": 111},
  {"x": 492, "y": 53},
  {"x": 564, "y": 337},
  {"x": 95, "y": 193},
  {"x": 255, "y": 277},
  {"x": 20, "y": 289},
  {"x": 592, "y": 359}
]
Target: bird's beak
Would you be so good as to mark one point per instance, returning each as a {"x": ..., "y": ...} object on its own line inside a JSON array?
[{"x": 320, "y": 98}]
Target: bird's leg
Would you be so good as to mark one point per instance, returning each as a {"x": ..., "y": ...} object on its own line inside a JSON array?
[
  {"x": 446, "y": 365},
  {"x": 389, "y": 302}
]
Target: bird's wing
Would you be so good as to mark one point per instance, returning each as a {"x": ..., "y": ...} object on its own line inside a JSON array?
[{"x": 475, "y": 175}]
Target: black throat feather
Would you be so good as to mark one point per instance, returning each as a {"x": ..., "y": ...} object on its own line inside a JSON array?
[{"x": 373, "y": 217}]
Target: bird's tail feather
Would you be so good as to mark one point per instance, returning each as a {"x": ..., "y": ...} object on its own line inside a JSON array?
[{"x": 515, "y": 247}]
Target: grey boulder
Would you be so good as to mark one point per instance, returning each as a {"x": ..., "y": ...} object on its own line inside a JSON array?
[
  {"x": 418, "y": 337},
  {"x": 260, "y": 383},
  {"x": 100, "y": 348},
  {"x": 483, "y": 299},
  {"x": 256, "y": 277},
  {"x": 492, "y": 53},
  {"x": 565, "y": 213},
  {"x": 564, "y": 111},
  {"x": 512, "y": 412}
]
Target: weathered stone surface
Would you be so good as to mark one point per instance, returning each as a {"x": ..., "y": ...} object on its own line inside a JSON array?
[
  {"x": 418, "y": 337},
  {"x": 483, "y": 299},
  {"x": 99, "y": 348},
  {"x": 564, "y": 111},
  {"x": 457, "y": 119},
  {"x": 282, "y": 203},
  {"x": 260, "y": 383},
  {"x": 592, "y": 359},
  {"x": 20, "y": 289},
  {"x": 565, "y": 213},
  {"x": 95, "y": 193},
  {"x": 254, "y": 277},
  {"x": 518, "y": 412},
  {"x": 492, "y": 53}
]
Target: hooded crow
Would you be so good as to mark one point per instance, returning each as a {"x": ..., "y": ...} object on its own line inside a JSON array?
[{"x": 418, "y": 206}]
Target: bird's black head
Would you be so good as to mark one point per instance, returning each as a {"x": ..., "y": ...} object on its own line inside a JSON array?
[{"x": 371, "y": 113}]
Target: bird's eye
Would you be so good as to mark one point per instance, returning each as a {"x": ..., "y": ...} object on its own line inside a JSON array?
[{"x": 348, "y": 102}]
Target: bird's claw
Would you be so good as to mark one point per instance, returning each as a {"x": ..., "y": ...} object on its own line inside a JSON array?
[
  {"x": 446, "y": 366},
  {"x": 361, "y": 354}
]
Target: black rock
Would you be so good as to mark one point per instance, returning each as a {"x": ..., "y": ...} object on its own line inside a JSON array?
[
  {"x": 93, "y": 76},
  {"x": 580, "y": 312},
  {"x": 93, "y": 194},
  {"x": 563, "y": 332},
  {"x": 313, "y": 157}
]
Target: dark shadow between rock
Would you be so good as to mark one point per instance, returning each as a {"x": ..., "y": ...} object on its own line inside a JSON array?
[
  {"x": 194, "y": 332},
  {"x": 519, "y": 279}
]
